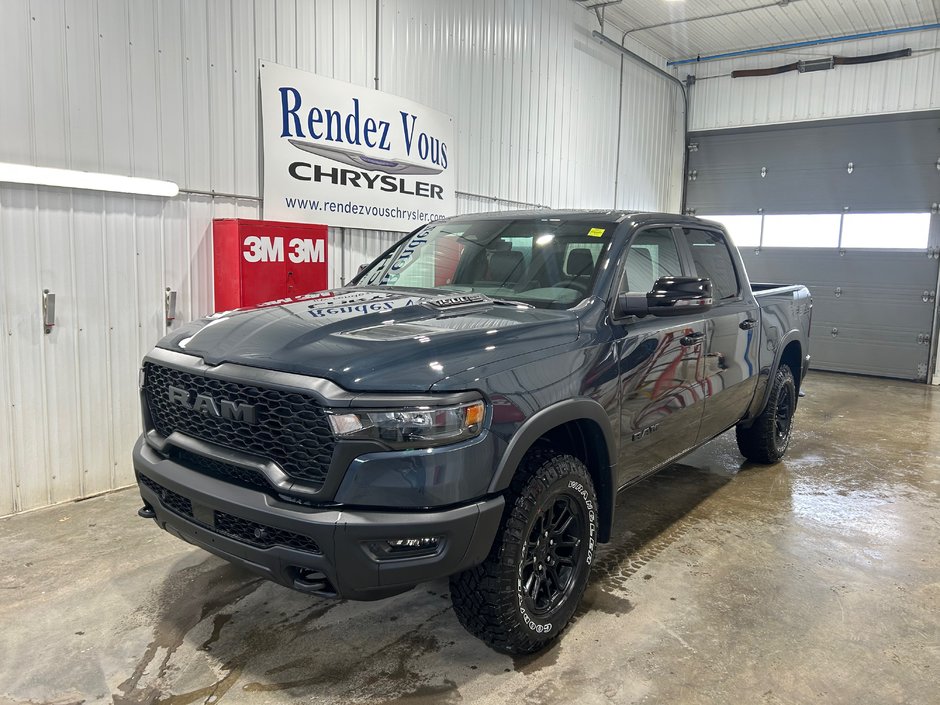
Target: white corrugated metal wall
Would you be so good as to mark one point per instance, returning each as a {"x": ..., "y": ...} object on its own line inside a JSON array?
[
  {"x": 168, "y": 89},
  {"x": 897, "y": 86}
]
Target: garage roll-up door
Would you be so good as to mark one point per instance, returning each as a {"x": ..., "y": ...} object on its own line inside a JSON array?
[
  {"x": 872, "y": 311},
  {"x": 844, "y": 207}
]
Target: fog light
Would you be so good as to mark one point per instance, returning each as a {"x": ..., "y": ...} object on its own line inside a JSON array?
[
  {"x": 405, "y": 548},
  {"x": 412, "y": 543}
]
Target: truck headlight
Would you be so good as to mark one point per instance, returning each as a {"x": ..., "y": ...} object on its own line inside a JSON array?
[{"x": 412, "y": 428}]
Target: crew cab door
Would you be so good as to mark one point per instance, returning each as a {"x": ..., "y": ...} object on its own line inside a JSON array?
[
  {"x": 732, "y": 333},
  {"x": 660, "y": 361}
]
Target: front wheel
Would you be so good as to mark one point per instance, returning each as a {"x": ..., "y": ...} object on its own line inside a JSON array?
[
  {"x": 526, "y": 591},
  {"x": 767, "y": 438}
]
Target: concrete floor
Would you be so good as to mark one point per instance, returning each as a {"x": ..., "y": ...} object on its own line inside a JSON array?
[{"x": 814, "y": 580}]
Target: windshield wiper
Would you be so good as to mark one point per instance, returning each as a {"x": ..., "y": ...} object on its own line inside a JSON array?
[{"x": 508, "y": 302}]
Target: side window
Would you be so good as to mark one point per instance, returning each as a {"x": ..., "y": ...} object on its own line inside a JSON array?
[
  {"x": 653, "y": 254},
  {"x": 713, "y": 260}
]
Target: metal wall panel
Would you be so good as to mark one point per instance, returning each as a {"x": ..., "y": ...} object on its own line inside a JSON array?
[
  {"x": 902, "y": 85},
  {"x": 647, "y": 166},
  {"x": 68, "y": 400},
  {"x": 535, "y": 99},
  {"x": 169, "y": 90},
  {"x": 772, "y": 23}
]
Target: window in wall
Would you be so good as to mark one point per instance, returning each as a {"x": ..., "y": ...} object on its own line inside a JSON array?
[
  {"x": 743, "y": 229},
  {"x": 801, "y": 230},
  {"x": 900, "y": 231},
  {"x": 712, "y": 260}
]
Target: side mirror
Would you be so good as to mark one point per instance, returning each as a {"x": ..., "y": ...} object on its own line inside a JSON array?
[
  {"x": 671, "y": 296},
  {"x": 362, "y": 268}
]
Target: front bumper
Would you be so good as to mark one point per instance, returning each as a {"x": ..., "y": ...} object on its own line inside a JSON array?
[{"x": 289, "y": 544}]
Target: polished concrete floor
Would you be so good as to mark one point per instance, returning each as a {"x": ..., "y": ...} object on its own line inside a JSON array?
[{"x": 813, "y": 580}]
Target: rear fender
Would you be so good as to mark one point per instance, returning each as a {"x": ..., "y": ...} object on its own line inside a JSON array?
[{"x": 764, "y": 386}]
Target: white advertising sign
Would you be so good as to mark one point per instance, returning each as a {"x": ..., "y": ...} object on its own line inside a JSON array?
[{"x": 353, "y": 157}]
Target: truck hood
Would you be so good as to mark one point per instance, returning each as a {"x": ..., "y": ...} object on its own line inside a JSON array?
[{"x": 372, "y": 339}]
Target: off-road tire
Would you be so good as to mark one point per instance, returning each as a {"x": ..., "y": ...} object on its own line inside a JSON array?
[
  {"x": 767, "y": 439},
  {"x": 492, "y": 600}
]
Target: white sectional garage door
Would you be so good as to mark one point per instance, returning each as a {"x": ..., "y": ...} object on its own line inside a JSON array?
[{"x": 847, "y": 208}]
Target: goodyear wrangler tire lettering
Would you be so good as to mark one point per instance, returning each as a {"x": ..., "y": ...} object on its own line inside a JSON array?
[
  {"x": 592, "y": 513},
  {"x": 526, "y": 591}
]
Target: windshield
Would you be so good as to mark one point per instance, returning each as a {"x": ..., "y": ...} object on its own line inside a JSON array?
[{"x": 547, "y": 263}]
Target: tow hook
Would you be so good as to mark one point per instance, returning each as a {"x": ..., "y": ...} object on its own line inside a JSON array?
[{"x": 145, "y": 512}]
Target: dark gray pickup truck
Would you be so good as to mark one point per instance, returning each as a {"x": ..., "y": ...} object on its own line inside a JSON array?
[{"x": 469, "y": 406}]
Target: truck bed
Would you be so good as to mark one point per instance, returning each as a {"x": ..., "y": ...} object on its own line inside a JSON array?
[{"x": 769, "y": 289}]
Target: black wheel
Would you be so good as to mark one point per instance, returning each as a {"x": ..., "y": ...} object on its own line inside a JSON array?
[
  {"x": 766, "y": 440},
  {"x": 526, "y": 591}
]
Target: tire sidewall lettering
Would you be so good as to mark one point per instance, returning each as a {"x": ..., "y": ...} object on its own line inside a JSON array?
[
  {"x": 546, "y": 627},
  {"x": 592, "y": 518}
]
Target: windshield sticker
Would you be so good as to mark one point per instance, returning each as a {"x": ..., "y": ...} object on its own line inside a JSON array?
[
  {"x": 391, "y": 276},
  {"x": 596, "y": 232}
]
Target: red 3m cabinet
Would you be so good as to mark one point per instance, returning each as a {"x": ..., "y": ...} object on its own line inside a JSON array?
[{"x": 258, "y": 261}]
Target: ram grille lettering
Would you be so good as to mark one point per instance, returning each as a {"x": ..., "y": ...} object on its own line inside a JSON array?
[{"x": 210, "y": 406}]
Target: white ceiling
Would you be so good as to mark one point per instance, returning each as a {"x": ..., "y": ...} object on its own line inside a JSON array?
[{"x": 776, "y": 23}]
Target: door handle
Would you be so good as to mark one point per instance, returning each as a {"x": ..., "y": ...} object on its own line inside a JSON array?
[
  {"x": 691, "y": 338},
  {"x": 747, "y": 323}
]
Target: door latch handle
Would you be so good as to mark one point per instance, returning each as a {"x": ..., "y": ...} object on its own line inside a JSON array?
[
  {"x": 747, "y": 323},
  {"x": 169, "y": 306},
  {"x": 48, "y": 311},
  {"x": 691, "y": 338}
]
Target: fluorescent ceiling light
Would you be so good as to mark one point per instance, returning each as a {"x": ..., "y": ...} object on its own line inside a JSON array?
[{"x": 70, "y": 178}]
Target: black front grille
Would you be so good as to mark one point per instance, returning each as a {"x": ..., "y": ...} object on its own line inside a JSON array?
[
  {"x": 176, "y": 503},
  {"x": 221, "y": 471},
  {"x": 233, "y": 527},
  {"x": 291, "y": 429},
  {"x": 260, "y": 535}
]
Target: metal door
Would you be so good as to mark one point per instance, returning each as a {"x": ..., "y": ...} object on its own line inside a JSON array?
[
  {"x": 661, "y": 363},
  {"x": 729, "y": 376},
  {"x": 872, "y": 309}
]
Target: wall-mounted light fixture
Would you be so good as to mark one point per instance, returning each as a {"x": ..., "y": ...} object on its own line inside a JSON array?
[{"x": 71, "y": 178}]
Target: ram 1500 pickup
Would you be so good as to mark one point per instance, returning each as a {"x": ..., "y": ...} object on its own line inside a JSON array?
[{"x": 468, "y": 407}]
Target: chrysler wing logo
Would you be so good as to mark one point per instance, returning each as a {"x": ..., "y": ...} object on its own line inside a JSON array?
[
  {"x": 210, "y": 406},
  {"x": 364, "y": 161}
]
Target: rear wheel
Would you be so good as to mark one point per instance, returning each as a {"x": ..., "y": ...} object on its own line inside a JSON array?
[
  {"x": 526, "y": 591},
  {"x": 767, "y": 439}
]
